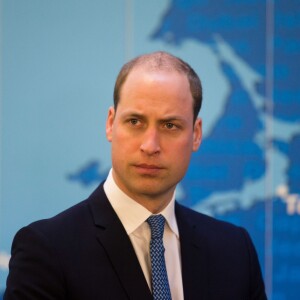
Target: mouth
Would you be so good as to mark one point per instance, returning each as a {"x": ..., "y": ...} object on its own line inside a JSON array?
[
  {"x": 146, "y": 166},
  {"x": 148, "y": 169}
]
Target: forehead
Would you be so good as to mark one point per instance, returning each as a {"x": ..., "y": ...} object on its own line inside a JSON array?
[
  {"x": 162, "y": 90},
  {"x": 145, "y": 78}
]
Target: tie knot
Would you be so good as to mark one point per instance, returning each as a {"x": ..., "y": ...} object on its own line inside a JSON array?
[{"x": 157, "y": 224}]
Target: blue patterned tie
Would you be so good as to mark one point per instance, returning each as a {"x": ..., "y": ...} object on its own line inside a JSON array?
[{"x": 160, "y": 284}]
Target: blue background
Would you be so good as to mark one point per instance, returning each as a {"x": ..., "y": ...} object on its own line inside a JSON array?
[{"x": 59, "y": 60}]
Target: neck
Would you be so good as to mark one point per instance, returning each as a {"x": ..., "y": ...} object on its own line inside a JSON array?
[
  {"x": 153, "y": 205},
  {"x": 154, "y": 202}
]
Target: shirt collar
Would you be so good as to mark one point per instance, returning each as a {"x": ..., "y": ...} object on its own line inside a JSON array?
[{"x": 133, "y": 214}]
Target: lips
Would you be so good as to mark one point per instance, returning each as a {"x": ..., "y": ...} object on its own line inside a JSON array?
[
  {"x": 146, "y": 166},
  {"x": 148, "y": 169}
]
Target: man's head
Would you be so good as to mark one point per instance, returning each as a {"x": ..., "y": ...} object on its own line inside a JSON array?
[
  {"x": 153, "y": 129},
  {"x": 165, "y": 62}
]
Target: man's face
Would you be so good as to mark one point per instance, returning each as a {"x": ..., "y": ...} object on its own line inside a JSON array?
[{"x": 153, "y": 135}]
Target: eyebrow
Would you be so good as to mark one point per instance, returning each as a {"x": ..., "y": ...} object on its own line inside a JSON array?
[
  {"x": 132, "y": 115},
  {"x": 141, "y": 116},
  {"x": 173, "y": 119}
]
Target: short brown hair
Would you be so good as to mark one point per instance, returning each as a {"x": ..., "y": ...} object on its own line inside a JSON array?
[{"x": 161, "y": 60}]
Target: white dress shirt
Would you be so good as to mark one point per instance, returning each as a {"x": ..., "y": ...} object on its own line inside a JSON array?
[{"x": 133, "y": 217}]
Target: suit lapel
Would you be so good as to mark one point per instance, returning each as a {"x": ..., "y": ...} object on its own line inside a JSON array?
[
  {"x": 113, "y": 237},
  {"x": 194, "y": 256}
]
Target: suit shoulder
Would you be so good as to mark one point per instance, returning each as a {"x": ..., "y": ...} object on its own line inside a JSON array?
[
  {"x": 76, "y": 215},
  {"x": 62, "y": 227},
  {"x": 211, "y": 224},
  {"x": 68, "y": 215},
  {"x": 214, "y": 233}
]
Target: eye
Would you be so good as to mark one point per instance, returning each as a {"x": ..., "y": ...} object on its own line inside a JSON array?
[
  {"x": 134, "y": 122},
  {"x": 170, "y": 125}
]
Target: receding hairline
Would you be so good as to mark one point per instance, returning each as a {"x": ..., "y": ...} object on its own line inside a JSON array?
[{"x": 161, "y": 61}]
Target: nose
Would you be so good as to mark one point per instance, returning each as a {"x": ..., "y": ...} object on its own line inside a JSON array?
[{"x": 150, "y": 144}]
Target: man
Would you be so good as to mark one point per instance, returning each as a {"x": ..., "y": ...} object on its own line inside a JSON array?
[{"x": 102, "y": 248}]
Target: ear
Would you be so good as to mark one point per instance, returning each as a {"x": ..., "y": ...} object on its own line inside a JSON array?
[
  {"x": 110, "y": 123},
  {"x": 197, "y": 134}
]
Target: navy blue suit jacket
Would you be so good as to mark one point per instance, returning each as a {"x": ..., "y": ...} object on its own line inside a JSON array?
[{"x": 84, "y": 253}]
